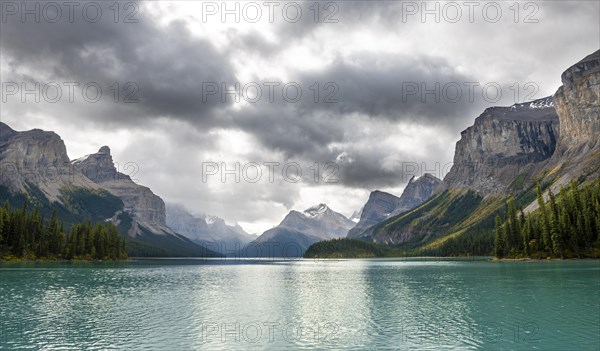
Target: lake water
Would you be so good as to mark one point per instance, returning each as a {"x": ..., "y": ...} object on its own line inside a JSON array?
[{"x": 302, "y": 305}]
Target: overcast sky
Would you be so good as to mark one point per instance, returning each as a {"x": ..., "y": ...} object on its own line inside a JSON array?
[{"x": 363, "y": 118}]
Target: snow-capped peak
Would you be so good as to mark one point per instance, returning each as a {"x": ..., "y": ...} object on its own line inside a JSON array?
[
  {"x": 211, "y": 219},
  {"x": 79, "y": 160},
  {"x": 356, "y": 215},
  {"x": 316, "y": 210},
  {"x": 414, "y": 178},
  {"x": 542, "y": 103},
  {"x": 535, "y": 104}
]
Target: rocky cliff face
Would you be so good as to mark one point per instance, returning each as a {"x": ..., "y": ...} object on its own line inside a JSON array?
[
  {"x": 38, "y": 158},
  {"x": 577, "y": 102},
  {"x": 209, "y": 231},
  {"x": 417, "y": 191},
  {"x": 382, "y": 205},
  {"x": 35, "y": 164},
  {"x": 140, "y": 202},
  {"x": 379, "y": 206},
  {"x": 505, "y": 150},
  {"x": 503, "y": 144}
]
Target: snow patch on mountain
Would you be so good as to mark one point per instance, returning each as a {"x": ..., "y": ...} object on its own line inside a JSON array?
[{"x": 316, "y": 211}]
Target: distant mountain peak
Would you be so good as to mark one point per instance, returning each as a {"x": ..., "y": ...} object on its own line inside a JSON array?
[
  {"x": 424, "y": 177},
  {"x": 382, "y": 205},
  {"x": 202, "y": 229},
  {"x": 356, "y": 215},
  {"x": 316, "y": 210},
  {"x": 212, "y": 219},
  {"x": 299, "y": 230},
  {"x": 104, "y": 150}
]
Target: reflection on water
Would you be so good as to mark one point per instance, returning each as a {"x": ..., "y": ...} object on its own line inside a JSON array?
[{"x": 302, "y": 304}]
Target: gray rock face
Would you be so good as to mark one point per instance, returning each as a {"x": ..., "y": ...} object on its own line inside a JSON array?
[
  {"x": 503, "y": 143},
  {"x": 379, "y": 206},
  {"x": 382, "y": 205},
  {"x": 417, "y": 191},
  {"x": 144, "y": 206},
  {"x": 577, "y": 102},
  {"x": 578, "y": 105},
  {"x": 39, "y": 158},
  {"x": 298, "y": 231},
  {"x": 209, "y": 231},
  {"x": 99, "y": 167}
]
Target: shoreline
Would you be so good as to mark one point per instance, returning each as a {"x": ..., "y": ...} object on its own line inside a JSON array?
[
  {"x": 396, "y": 258},
  {"x": 551, "y": 259},
  {"x": 44, "y": 261}
]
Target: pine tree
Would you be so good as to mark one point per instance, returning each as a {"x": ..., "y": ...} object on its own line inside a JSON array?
[
  {"x": 498, "y": 242},
  {"x": 512, "y": 232},
  {"x": 546, "y": 243},
  {"x": 527, "y": 234},
  {"x": 123, "y": 253},
  {"x": 1, "y": 226},
  {"x": 52, "y": 235}
]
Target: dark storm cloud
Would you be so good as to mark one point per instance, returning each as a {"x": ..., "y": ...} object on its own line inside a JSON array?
[
  {"x": 419, "y": 89},
  {"x": 287, "y": 129},
  {"x": 326, "y": 14},
  {"x": 168, "y": 65},
  {"x": 367, "y": 85},
  {"x": 359, "y": 159},
  {"x": 362, "y": 166}
]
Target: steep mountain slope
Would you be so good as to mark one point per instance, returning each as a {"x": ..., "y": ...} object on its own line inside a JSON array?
[
  {"x": 578, "y": 105},
  {"x": 497, "y": 156},
  {"x": 505, "y": 153},
  {"x": 383, "y": 205},
  {"x": 298, "y": 231},
  {"x": 37, "y": 158},
  {"x": 417, "y": 191},
  {"x": 35, "y": 168},
  {"x": 141, "y": 203},
  {"x": 379, "y": 206},
  {"x": 148, "y": 213},
  {"x": 209, "y": 231},
  {"x": 503, "y": 143}
]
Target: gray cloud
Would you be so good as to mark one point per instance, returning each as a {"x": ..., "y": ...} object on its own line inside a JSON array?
[
  {"x": 168, "y": 65},
  {"x": 395, "y": 87}
]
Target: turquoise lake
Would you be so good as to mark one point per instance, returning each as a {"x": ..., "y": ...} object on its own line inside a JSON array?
[{"x": 301, "y": 305}]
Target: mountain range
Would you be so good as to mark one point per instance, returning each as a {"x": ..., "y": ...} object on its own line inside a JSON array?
[
  {"x": 382, "y": 205},
  {"x": 298, "y": 230},
  {"x": 35, "y": 168},
  {"x": 504, "y": 154},
  {"x": 208, "y": 231},
  {"x": 507, "y": 151}
]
